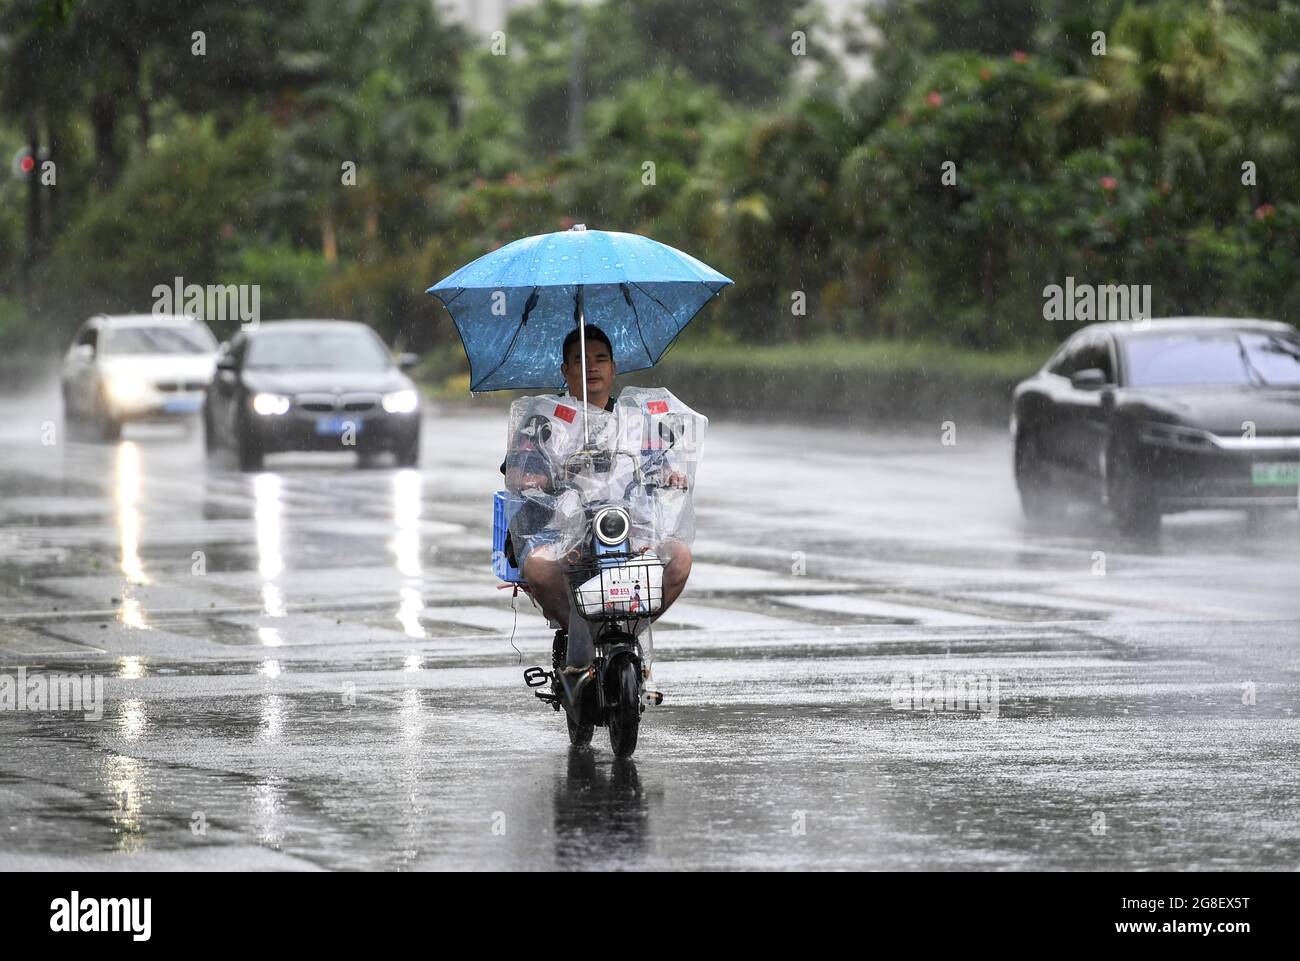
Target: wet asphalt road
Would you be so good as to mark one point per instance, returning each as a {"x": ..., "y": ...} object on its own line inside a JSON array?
[{"x": 331, "y": 684}]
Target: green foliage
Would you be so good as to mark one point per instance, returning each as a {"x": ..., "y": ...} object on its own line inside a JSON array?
[
  {"x": 182, "y": 211},
  {"x": 11, "y": 317},
  {"x": 739, "y": 48},
  {"x": 290, "y": 279},
  {"x": 227, "y": 168},
  {"x": 864, "y": 357}
]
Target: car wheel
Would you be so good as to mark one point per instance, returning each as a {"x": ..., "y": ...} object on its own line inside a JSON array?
[
  {"x": 107, "y": 428},
  {"x": 74, "y": 427},
  {"x": 1039, "y": 501},
  {"x": 210, "y": 444},
  {"x": 110, "y": 429},
  {"x": 248, "y": 448},
  {"x": 1132, "y": 502},
  {"x": 408, "y": 454}
]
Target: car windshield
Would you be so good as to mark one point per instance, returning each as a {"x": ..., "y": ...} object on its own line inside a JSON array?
[
  {"x": 318, "y": 350},
  {"x": 1248, "y": 359},
  {"x": 157, "y": 340},
  {"x": 1275, "y": 359}
]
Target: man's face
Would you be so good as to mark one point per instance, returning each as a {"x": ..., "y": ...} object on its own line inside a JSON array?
[{"x": 600, "y": 372}]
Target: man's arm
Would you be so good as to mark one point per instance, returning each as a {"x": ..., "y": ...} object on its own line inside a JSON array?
[
  {"x": 522, "y": 473},
  {"x": 663, "y": 468}
]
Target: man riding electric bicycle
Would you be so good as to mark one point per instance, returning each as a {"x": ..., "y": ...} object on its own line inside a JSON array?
[
  {"x": 531, "y": 467},
  {"x": 598, "y": 510}
]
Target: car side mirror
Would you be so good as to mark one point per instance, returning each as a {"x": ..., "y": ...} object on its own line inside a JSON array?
[
  {"x": 83, "y": 352},
  {"x": 1091, "y": 379},
  {"x": 407, "y": 361}
]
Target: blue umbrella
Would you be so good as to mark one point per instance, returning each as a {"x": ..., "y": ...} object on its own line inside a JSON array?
[{"x": 514, "y": 306}]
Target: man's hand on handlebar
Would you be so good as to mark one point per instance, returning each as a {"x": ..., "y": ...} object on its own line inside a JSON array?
[{"x": 677, "y": 480}]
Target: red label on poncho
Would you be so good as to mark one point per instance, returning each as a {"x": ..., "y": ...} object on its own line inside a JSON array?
[
  {"x": 657, "y": 406},
  {"x": 565, "y": 414}
]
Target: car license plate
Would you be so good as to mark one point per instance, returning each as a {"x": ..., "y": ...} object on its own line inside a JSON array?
[
  {"x": 333, "y": 426},
  {"x": 183, "y": 405},
  {"x": 1275, "y": 474}
]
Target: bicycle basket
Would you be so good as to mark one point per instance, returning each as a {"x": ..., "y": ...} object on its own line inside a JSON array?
[{"x": 618, "y": 585}]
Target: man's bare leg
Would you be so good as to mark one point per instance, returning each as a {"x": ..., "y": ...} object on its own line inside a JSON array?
[
  {"x": 677, "y": 568},
  {"x": 546, "y": 582}
]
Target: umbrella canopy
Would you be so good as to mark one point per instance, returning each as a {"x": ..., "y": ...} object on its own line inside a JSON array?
[{"x": 514, "y": 306}]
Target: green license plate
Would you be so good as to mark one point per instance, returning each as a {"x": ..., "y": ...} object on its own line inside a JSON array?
[{"x": 1285, "y": 474}]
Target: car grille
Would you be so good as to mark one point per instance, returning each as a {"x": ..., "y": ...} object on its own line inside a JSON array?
[{"x": 329, "y": 403}]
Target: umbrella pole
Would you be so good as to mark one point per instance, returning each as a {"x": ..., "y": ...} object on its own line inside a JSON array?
[{"x": 582, "y": 346}]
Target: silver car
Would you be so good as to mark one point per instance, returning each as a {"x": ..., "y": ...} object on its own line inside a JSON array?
[{"x": 136, "y": 367}]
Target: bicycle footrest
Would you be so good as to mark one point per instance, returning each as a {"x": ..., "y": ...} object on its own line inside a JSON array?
[
  {"x": 547, "y": 698},
  {"x": 536, "y": 677}
]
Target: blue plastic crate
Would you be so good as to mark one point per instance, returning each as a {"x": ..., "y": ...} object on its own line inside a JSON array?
[{"x": 504, "y": 507}]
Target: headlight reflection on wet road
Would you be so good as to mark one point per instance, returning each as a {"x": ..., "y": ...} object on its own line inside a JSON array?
[
  {"x": 126, "y": 491},
  {"x": 272, "y": 600},
  {"x": 408, "y": 614},
  {"x": 123, "y": 780},
  {"x": 407, "y": 486},
  {"x": 271, "y": 723},
  {"x": 268, "y": 517},
  {"x": 133, "y": 720},
  {"x": 406, "y": 516},
  {"x": 130, "y": 667},
  {"x": 267, "y": 514},
  {"x": 126, "y": 488},
  {"x": 268, "y": 811}
]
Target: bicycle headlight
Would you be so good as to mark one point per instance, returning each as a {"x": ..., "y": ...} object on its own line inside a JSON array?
[{"x": 612, "y": 526}]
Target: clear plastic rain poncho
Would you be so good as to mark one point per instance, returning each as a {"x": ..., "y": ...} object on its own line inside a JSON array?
[{"x": 636, "y": 456}]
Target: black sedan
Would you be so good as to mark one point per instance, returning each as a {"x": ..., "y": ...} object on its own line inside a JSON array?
[
  {"x": 1154, "y": 417},
  {"x": 300, "y": 385}
]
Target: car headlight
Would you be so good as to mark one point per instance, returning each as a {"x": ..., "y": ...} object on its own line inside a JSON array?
[
  {"x": 401, "y": 402},
  {"x": 125, "y": 388},
  {"x": 270, "y": 405},
  {"x": 1175, "y": 435}
]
